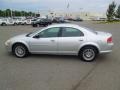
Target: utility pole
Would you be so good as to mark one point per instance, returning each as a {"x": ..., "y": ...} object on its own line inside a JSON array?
[
  {"x": 11, "y": 12},
  {"x": 80, "y": 10},
  {"x": 68, "y": 6}
]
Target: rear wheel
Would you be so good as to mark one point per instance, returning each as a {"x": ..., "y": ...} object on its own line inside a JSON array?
[
  {"x": 20, "y": 50},
  {"x": 45, "y": 25},
  {"x": 38, "y": 25},
  {"x": 19, "y": 23},
  {"x": 34, "y": 25},
  {"x": 88, "y": 54},
  {"x": 15, "y": 24}
]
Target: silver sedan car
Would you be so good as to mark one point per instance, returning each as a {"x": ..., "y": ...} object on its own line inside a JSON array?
[{"x": 62, "y": 39}]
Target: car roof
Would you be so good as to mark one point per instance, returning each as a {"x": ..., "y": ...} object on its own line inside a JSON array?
[
  {"x": 83, "y": 29},
  {"x": 64, "y": 25}
]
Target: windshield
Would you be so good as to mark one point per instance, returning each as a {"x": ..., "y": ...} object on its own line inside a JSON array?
[
  {"x": 92, "y": 31},
  {"x": 29, "y": 34},
  {"x": 33, "y": 32}
]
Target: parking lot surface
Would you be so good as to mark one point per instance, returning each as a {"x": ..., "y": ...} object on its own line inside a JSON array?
[{"x": 52, "y": 72}]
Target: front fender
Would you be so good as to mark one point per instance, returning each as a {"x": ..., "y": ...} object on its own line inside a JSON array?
[{"x": 20, "y": 41}]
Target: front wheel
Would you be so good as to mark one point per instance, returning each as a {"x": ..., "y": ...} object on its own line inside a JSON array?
[
  {"x": 20, "y": 50},
  {"x": 24, "y": 23},
  {"x": 3, "y": 24},
  {"x": 88, "y": 54}
]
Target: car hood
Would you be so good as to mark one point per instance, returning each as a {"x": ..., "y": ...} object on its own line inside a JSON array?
[{"x": 18, "y": 37}]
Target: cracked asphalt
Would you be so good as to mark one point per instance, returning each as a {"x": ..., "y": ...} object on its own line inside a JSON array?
[{"x": 52, "y": 72}]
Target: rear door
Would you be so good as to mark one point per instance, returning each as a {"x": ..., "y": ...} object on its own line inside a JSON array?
[{"x": 70, "y": 40}]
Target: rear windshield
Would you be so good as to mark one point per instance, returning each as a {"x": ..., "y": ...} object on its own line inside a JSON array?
[{"x": 93, "y": 31}]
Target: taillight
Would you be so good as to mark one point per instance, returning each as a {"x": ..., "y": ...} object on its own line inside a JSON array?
[{"x": 109, "y": 40}]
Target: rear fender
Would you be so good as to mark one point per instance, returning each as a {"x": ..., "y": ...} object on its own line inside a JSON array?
[{"x": 89, "y": 44}]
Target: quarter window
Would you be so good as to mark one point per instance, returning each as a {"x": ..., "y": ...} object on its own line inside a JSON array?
[{"x": 71, "y": 32}]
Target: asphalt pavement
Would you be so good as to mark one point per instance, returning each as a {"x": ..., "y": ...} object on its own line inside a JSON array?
[{"x": 52, "y": 72}]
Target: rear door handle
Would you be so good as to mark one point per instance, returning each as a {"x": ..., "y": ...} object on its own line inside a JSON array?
[{"x": 81, "y": 40}]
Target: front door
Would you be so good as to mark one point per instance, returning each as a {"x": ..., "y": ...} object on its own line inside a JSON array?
[{"x": 47, "y": 41}]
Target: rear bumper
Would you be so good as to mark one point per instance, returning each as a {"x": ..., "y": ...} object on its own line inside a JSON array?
[
  {"x": 103, "y": 52},
  {"x": 108, "y": 49}
]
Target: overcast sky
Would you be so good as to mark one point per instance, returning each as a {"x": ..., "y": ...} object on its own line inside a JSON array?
[{"x": 57, "y": 5}]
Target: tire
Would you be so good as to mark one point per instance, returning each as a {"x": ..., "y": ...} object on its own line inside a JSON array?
[
  {"x": 88, "y": 53},
  {"x": 15, "y": 24},
  {"x": 3, "y": 24},
  {"x": 19, "y": 23},
  {"x": 38, "y": 25},
  {"x": 34, "y": 25},
  {"x": 44, "y": 25},
  {"x": 25, "y": 23},
  {"x": 20, "y": 50}
]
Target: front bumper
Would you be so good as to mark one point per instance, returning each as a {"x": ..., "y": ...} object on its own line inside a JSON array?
[{"x": 8, "y": 47}]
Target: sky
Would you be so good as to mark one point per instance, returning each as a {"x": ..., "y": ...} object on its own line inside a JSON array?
[{"x": 57, "y": 5}]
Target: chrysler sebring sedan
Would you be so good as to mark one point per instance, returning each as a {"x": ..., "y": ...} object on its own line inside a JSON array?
[{"x": 62, "y": 39}]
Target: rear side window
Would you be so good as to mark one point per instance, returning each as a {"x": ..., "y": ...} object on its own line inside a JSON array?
[{"x": 71, "y": 32}]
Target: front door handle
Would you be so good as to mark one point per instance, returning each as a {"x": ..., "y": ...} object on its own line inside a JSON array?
[{"x": 52, "y": 40}]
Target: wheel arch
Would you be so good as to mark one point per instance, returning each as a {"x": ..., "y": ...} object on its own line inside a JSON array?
[
  {"x": 89, "y": 45},
  {"x": 3, "y": 23},
  {"x": 22, "y": 43}
]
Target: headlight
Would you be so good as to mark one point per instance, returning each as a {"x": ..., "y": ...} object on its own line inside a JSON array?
[{"x": 8, "y": 42}]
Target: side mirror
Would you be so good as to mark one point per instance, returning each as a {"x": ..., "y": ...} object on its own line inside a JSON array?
[{"x": 36, "y": 36}]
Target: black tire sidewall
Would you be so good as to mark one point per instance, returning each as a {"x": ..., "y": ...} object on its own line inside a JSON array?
[
  {"x": 26, "y": 50},
  {"x": 81, "y": 54}
]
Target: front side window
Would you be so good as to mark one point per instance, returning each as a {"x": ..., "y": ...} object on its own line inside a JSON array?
[
  {"x": 51, "y": 32},
  {"x": 71, "y": 32}
]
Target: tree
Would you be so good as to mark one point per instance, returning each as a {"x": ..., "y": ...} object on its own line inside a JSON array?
[
  {"x": 8, "y": 12},
  {"x": 22, "y": 13},
  {"x": 15, "y": 13},
  {"x": 118, "y": 12},
  {"x": 1, "y": 13},
  {"x": 111, "y": 11},
  {"x": 29, "y": 13}
]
